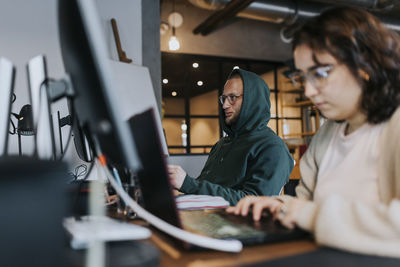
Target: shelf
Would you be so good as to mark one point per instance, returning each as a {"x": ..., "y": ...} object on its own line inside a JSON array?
[
  {"x": 299, "y": 134},
  {"x": 291, "y": 100},
  {"x": 292, "y": 146},
  {"x": 292, "y": 91},
  {"x": 299, "y": 104},
  {"x": 295, "y": 175}
]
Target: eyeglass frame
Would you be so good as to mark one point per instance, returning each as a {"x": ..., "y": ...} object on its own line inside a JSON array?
[
  {"x": 222, "y": 98},
  {"x": 310, "y": 75}
]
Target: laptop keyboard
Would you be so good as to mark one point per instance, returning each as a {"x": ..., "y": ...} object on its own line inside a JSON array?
[{"x": 212, "y": 223}]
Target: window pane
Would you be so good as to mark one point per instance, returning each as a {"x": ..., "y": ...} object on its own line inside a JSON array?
[
  {"x": 177, "y": 150},
  {"x": 204, "y": 150},
  {"x": 272, "y": 125},
  {"x": 174, "y": 106},
  {"x": 290, "y": 128},
  {"x": 204, "y": 104},
  {"x": 204, "y": 131},
  {"x": 283, "y": 82},
  {"x": 269, "y": 79},
  {"x": 273, "y": 105},
  {"x": 173, "y": 131},
  {"x": 288, "y": 99}
]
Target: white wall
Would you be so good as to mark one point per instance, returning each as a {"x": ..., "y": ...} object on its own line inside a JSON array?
[
  {"x": 29, "y": 28},
  {"x": 127, "y": 13}
]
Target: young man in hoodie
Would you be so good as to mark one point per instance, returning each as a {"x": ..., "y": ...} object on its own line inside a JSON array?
[{"x": 251, "y": 159}]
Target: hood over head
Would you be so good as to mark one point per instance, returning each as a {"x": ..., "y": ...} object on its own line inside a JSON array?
[{"x": 255, "y": 110}]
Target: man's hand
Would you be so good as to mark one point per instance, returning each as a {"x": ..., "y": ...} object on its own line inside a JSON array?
[{"x": 176, "y": 175}]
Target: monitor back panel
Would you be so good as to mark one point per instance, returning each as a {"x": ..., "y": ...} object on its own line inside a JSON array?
[
  {"x": 153, "y": 177},
  {"x": 7, "y": 75}
]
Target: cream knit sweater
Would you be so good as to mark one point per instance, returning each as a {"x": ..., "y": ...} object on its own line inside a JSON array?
[{"x": 354, "y": 226}]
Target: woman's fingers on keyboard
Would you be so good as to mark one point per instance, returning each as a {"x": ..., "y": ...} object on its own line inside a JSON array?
[
  {"x": 254, "y": 204},
  {"x": 264, "y": 203}
]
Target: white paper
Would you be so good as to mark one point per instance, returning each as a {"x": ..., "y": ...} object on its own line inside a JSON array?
[{"x": 185, "y": 202}]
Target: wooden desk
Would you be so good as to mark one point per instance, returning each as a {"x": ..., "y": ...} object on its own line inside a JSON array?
[{"x": 172, "y": 255}]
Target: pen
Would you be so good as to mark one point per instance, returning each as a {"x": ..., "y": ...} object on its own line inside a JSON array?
[{"x": 116, "y": 175}]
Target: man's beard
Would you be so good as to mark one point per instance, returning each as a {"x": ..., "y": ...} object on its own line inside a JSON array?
[{"x": 231, "y": 121}]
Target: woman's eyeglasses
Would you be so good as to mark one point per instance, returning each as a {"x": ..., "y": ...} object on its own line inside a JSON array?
[
  {"x": 231, "y": 98},
  {"x": 317, "y": 76}
]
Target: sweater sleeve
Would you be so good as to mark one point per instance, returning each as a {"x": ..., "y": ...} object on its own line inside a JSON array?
[
  {"x": 266, "y": 174},
  {"x": 354, "y": 226}
]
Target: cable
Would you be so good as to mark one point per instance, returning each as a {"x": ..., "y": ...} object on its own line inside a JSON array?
[
  {"x": 81, "y": 182},
  {"x": 13, "y": 98},
  {"x": 14, "y": 130},
  {"x": 67, "y": 144},
  {"x": 198, "y": 240},
  {"x": 72, "y": 114},
  {"x": 80, "y": 170}
]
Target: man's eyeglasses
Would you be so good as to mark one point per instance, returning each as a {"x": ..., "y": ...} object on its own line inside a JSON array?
[
  {"x": 317, "y": 76},
  {"x": 231, "y": 98}
]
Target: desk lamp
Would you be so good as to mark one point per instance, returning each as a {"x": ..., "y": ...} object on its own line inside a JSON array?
[{"x": 25, "y": 124}]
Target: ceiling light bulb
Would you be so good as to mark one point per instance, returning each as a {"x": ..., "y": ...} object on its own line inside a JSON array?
[
  {"x": 195, "y": 65},
  {"x": 175, "y": 19},
  {"x": 165, "y": 81},
  {"x": 173, "y": 43},
  {"x": 199, "y": 83},
  {"x": 173, "y": 93},
  {"x": 236, "y": 67}
]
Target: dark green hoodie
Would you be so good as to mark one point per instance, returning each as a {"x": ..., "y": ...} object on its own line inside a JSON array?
[{"x": 251, "y": 159}]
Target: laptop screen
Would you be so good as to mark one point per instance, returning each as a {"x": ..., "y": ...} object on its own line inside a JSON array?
[{"x": 154, "y": 182}]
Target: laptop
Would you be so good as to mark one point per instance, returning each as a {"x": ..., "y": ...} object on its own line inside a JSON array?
[{"x": 159, "y": 198}]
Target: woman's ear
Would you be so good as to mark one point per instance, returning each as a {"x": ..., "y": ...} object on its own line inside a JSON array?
[{"x": 363, "y": 75}]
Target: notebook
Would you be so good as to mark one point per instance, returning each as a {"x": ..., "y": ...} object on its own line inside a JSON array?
[
  {"x": 200, "y": 202},
  {"x": 159, "y": 199}
]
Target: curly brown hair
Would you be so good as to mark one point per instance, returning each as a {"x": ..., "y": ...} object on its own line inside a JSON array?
[{"x": 362, "y": 42}]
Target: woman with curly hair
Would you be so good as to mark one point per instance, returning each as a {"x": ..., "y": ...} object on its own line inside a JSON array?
[{"x": 349, "y": 193}]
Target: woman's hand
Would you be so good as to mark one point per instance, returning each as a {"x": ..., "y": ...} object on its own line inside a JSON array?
[
  {"x": 287, "y": 214},
  {"x": 259, "y": 203}
]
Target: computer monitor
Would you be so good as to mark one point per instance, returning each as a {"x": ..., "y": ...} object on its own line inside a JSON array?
[
  {"x": 43, "y": 124},
  {"x": 85, "y": 58},
  {"x": 7, "y": 76},
  {"x": 97, "y": 107},
  {"x": 82, "y": 146}
]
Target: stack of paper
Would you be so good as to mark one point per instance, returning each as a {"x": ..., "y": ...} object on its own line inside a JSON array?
[
  {"x": 195, "y": 202},
  {"x": 90, "y": 228}
]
